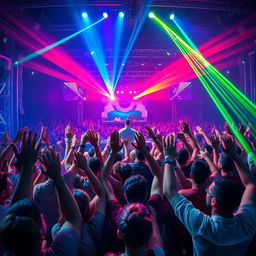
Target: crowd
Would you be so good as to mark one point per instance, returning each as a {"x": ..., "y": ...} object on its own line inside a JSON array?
[
  {"x": 192, "y": 191},
  {"x": 55, "y": 129}
]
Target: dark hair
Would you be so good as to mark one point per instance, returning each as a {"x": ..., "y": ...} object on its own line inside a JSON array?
[
  {"x": 139, "y": 155},
  {"x": 20, "y": 235},
  {"x": 135, "y": 225},
  {"x": 183, "y": 156},
  {"x": 127, "y": 122},
  {"x": 226, "y": 162},
  {"x": 94, "y": 164},
  {"x": 91, "y": 152},
  {"x": 118, "y": 157},
  {"x": 208, "y": 148},
  {"x": 227, "y": 193},
  {"x": 124, "y": 171},
  {"x": 3, "y": 181},
  {"x": 82, "y": 199},
  {"x": 135, "y": 189},
  {"x": 200, "y": 171},
  {"x": 26, "y": 208}
]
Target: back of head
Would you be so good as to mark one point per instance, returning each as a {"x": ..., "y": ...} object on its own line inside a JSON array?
[
  {"x": 3, "y": 181},
  {"x": 182, "y": 156},
  {"x": 124, "y": 171},
  {"x": 94, "y": 164},
  {"x": 91, "y": 152},
  {"x": 135, "y": 189},
  {"x": 200, "y": 171},
  {"x": 127, "y": 122},
  {"x": 20, "y": 235},
  {"x": 82, "y": 199},
  {"x": 139, "y": 155},
  {"x": 208, "y": 148},
  {"x": 26, "y": 208},
  {"x": 118, "y": 157},
  {"x": 226, "y": 162},
  {"x": 228, "y": 194},
  {"x": 135, "y": 225}
]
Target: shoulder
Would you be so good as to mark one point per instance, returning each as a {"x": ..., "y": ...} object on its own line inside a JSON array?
[{"x": 66, "y": 242}]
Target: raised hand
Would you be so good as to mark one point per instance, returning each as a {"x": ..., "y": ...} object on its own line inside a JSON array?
[
  {"x": 227, "y": 129},
  {"x": 184, "y": 127},
  {"x": 214, "y": 141},
  {"x": 74, "y": 141},
  {"x": 115, "y": 145},
  {"x": 29, "y": 149},
  {"x": 68, "y": 132},
  {"x": 80, "y": 161},
  {"x": 169, "y": 144},
  {"x": 84, "y": 138},
  {"x": 228, "y": 145},
  {"x": 241, "y": 128},
  {"x": 140, "y": 142},
  {"x": 92, "y": 137},
  {"x": 149, "y": 132},
  {"x": 18, "y": 137},
  {"x": 199, "y": 130},
  {"x": 203, "y": 154},
  {"x": 51, "y": 160}
]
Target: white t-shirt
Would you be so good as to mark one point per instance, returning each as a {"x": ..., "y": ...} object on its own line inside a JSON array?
[
  {"x": 216, "y": 235},
  {"x": 127, "y": 133}
]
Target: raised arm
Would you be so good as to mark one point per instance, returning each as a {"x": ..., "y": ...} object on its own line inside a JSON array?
[
  {"x": 94, "y": 140},
  {"x": 153, "y": 136},
  {"x": 185, "y": 129},
  {"x": 68, "y": 136},
  {"x": 67, "y": 203},
  {"x": 27, "y": 157},
  {"x": 229, "y": 147},
  {"x": 202, "y": 132},
  {"x": 153, "y": 165},
  {"x": 106, "y": 170},
  {"x": 213, "y": 168},
  {"x": 169, "y": 186},
  {"x": 98, "y": 188}
]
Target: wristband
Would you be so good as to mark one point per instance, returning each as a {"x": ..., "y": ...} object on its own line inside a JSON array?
[
  {"x": 81, "y": 146},
  {"x": 60, "y": 180},
  {"x": 67, "y": 140},
  {"x": 170, "y": 161}
]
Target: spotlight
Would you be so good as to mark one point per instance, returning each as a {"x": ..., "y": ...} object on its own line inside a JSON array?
[
  {"x": 130, "y": 92},
  {"x": 92, "y": 52},
  {"x": 172, "y": 16},
  {"x": 117, "y": 92},
  {"x": 112, "y": 98},
  {"x": 84, "y": 15},
  {"x": 121, "y": 14},
  {"x": 122, "y": 92},
  {"x": 84, "y": 98},
  {"x": 105, "y": 14},
  {"x": 151, "y": 15},
  {"x": 134, "y": 92}
]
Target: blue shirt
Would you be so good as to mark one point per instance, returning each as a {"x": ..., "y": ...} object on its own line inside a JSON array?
[{"x": 216, "y": 235}]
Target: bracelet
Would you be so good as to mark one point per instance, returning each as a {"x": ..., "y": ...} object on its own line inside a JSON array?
[
  {"x": 60, "y": 180},
  {"x": 81, "y": 146},
  {"x": 67, "y": 140}
]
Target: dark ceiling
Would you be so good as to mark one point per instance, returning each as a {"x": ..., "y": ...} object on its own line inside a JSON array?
[{"x": 204, "y": 20}]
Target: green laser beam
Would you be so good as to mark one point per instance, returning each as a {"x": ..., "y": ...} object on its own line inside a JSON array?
[
  {"x": 51, "y": 46},
  {"x": 186, "y": 53}
]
